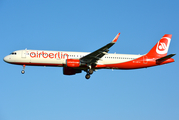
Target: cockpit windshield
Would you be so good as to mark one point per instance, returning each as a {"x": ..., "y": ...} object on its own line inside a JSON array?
[{"x": 13, "y": 53}]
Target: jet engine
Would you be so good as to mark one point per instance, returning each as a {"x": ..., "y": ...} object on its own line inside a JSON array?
[
  {"x": 73, "y": 63},
  {"x": 70, "y": 71}
]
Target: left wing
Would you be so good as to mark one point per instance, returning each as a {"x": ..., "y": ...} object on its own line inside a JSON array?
[{"x": 93, "y": 57}]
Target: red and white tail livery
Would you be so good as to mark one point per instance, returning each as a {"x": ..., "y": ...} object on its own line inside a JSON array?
[
  {"x": 76, "y": 62},
  {"x": 161, "y": 48}
]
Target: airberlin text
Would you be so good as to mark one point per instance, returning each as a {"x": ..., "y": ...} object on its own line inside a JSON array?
[{"x": 59, "y": 55}]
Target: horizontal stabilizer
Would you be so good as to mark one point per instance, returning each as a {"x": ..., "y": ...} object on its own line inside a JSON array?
[{"x": 166, "y": 57}]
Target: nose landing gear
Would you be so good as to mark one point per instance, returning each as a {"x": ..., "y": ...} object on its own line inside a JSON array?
[{"x": 23, "y": 71}]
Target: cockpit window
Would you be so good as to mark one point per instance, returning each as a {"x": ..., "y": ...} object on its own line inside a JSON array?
[{"x": 14, "y": 53}]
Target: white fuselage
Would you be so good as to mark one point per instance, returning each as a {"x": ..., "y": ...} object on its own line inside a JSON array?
[{"x": 58, "y": 58}]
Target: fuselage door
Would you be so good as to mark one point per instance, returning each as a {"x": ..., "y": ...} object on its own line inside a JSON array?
[{"x": 23, "y": 53}]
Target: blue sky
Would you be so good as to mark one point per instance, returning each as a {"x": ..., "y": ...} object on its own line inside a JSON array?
[{"x": 45, "y": 93}]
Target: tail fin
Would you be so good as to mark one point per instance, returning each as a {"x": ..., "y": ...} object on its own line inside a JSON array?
[{"x": 161, "y": 48}]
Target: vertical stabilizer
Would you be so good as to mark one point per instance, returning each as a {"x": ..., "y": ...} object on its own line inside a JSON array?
[{"x": 161, "y": 48}]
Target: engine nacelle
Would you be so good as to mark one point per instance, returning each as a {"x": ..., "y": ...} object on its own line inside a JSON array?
[
  {"x": 70, "y": 71},
  {"x": 73, "y": 63}
]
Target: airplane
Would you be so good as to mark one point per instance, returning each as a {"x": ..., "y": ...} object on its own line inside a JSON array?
[{"x": 76, "y": 62}]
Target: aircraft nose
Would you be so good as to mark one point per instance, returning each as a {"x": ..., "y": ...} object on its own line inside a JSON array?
[{"x": 6, "y": 59}]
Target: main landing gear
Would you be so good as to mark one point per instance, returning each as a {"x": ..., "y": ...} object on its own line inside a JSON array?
[
  {"x": 23, "y": 71},
  {"x": 89, "y": 72}
]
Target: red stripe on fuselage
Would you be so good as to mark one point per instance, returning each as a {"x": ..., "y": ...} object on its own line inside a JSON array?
[{"x": 134, "y": 64}]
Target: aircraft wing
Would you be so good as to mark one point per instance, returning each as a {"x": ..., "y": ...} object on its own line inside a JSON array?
[{"x": 93, "y": 57}]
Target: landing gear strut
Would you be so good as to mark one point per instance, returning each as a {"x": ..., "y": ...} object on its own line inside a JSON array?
[{"x": 23, "y": 71}]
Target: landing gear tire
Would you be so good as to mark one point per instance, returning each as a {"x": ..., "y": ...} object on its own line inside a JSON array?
[
  {"x": 22, "y": 71},
  {"x": 90, "y": 71},
  {"x": 87, "y": 76}
]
